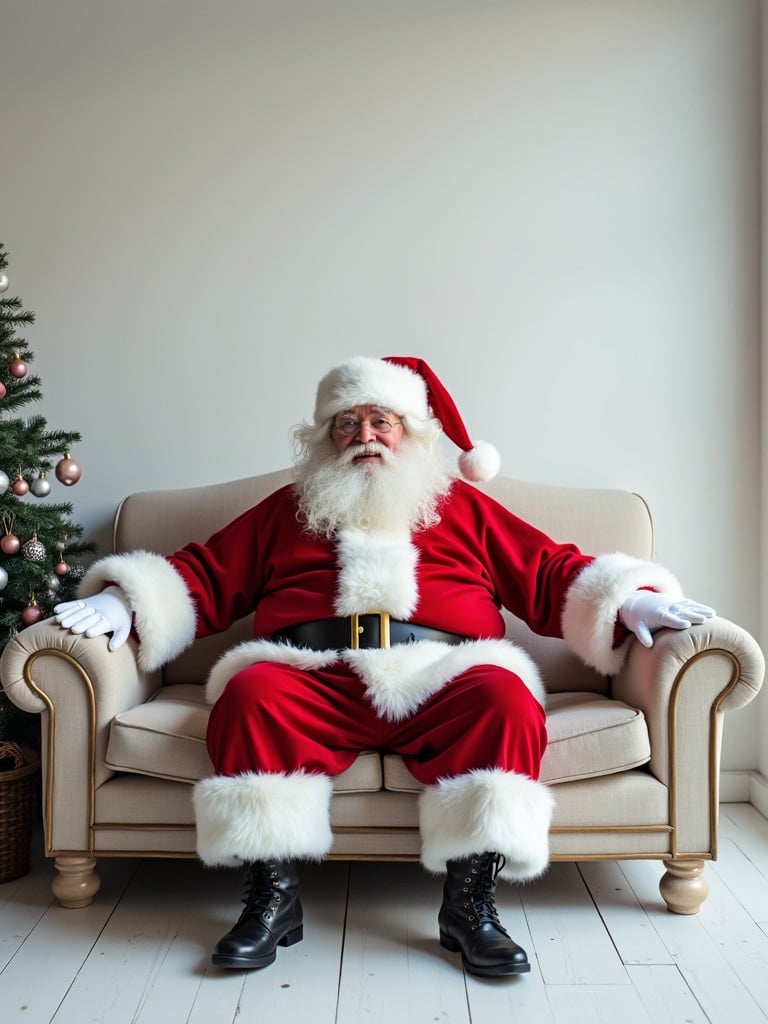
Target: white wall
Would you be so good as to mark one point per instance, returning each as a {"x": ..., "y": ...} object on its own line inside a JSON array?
[{"x": 554, "y": 202}]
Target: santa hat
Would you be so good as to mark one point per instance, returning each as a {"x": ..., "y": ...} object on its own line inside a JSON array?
[{"x": 409, "y": 387}]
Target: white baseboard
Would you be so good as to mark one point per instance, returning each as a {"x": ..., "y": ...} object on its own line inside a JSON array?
[
  {"x": 745, "y": 787},
  {"x": 736, "y": 787},
  {"x": 758, "y": 794}
]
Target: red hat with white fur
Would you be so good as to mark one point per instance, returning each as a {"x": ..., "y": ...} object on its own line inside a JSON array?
[{"x": 409, "y": 387}]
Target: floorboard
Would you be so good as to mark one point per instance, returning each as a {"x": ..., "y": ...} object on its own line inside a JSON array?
[{"x": 602, "y": 945}]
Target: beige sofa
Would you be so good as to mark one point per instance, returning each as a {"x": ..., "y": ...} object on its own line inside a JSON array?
[{"x": 634, "y": 760}]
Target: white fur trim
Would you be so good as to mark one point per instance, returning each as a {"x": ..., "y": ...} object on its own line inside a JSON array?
[
  {"x": 362, "y": 380},
  {"x": 400, "y": 679},
  {"x": 593, "y": 601},
  {"x": 253, "y": 651},
  {"x": 164, "y": 612},
  {"x": 377, "y": 572},
  {"x": 487, "y": 811},
  {"x": 261, "y": 816},
  {"x": 481, "y": 463}
]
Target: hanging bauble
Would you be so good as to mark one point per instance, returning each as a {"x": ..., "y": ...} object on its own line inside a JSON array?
[
  {"x": 5, "y": 482},
  {"x": 63, "y": 543},
  {"x": 40, "y": 487},
  {"x": 4, "y": 281},
  {"x": 67, "y": 471},
  {"x": 33, "y": 550},
  {"x": 9, "y": 542},
  {"x": 19, "y": 486},
  {"x": 3, "y": 578},
  {"x": 76, "y": 572},
  {"x": 18, "y": 367},
  {"x": 3, "y": 390},
  {"x": 61, "y": 568},
  {"x": 53, "y": 583},
  {"x": 32, "y": 613}
]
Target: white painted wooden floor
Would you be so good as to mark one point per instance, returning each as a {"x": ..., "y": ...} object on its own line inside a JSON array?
[{"x": 602, "y": 947}]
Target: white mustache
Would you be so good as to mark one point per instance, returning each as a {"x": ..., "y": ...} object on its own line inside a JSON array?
[{"x": 359, "y": 450}]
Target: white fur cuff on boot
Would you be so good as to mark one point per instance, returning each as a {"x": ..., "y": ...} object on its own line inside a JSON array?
[
  {"x": 262, "y": 816},
  {"x": 487, "y": 810}
]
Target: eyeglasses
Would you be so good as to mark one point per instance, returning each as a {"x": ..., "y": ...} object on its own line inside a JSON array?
[{"x": 348, "y": 426}]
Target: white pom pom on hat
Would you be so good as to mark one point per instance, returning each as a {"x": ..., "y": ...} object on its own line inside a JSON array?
[{"x": 409, "y": 387}]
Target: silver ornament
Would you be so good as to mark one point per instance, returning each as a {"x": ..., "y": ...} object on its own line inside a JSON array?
[
  {"x": 3, "y": 578},
  {"x": 5, "y": 482},
  {"x": 33, "y": 550},
  {"x": 53, "y": 583},
  {"x": 4, "y": 281},
  {"x": 40, "y": 487}
]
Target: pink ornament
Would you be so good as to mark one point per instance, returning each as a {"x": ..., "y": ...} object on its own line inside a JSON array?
[
  {"x": 9, "y": 544},
  {"x": 3, "y": 390},
  {"x": 32, "y": 613},
  {"x": 18, "y": 368},
  {"x": 19, "y": 486},
  {"x": 67, "y": 471},
  {"x": 61, "y": 568}
]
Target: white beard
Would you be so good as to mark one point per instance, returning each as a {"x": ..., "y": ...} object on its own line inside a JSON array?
[{"x": 399, "y": 491}]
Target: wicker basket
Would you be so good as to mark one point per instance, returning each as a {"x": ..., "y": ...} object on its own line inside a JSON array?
[{"x": 19, "y": 786}]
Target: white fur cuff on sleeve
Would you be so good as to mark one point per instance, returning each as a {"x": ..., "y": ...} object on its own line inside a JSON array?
[
  {"x": 163, "y": 610},
  {"x": 593, "y": 601}
]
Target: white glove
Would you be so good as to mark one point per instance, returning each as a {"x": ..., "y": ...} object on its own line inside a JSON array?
[
  {"x": 645, "y": 611},
  {"x": 107, "y": 612}
]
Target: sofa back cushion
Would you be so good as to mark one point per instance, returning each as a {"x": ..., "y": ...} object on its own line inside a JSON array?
[{"x": 598, "y": 520}]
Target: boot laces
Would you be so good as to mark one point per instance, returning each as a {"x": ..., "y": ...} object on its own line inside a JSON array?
[
  {"x": 260, "y": 892},
  {"x": 480, "y": 889}
]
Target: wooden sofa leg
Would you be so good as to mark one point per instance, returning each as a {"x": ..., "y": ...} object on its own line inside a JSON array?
[
  {"x": 76, "y": 882},
  {"x": 683, "y": 887}
]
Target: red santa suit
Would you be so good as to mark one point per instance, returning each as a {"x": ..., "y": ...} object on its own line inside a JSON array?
[{"x": 467, "y": 718}]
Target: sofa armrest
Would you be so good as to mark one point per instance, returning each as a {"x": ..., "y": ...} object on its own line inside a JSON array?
[
  {"x": 78, "y": 686},
  {"x": 683, "y": 685}
]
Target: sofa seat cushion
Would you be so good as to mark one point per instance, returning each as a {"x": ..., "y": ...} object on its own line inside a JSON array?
[
  {"x": 166, "y": 738},
  {"x": 589, "y": 735}
]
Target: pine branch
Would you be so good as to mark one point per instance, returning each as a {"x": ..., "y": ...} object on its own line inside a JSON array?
[{"x": 48, "y": 564}]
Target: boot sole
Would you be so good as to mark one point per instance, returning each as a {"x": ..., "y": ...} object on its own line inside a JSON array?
[
  {"x": 448, "y": 942},
  {"x": 254, "y": 962}
]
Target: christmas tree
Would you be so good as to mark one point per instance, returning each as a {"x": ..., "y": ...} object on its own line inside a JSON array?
[{"x": 40, "y": 546}]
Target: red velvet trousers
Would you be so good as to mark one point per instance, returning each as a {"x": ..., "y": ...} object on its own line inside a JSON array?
[{"x": 273, "y": 717}]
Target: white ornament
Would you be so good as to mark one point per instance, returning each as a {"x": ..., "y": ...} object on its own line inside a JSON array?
[
  {"x": 4, "y": 281},
  {"x": 3, "y": 578},
  {"x": 5, "y": 482}
]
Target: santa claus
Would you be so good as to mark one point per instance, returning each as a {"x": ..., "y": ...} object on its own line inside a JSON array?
[{"x": 375, "y": 581}]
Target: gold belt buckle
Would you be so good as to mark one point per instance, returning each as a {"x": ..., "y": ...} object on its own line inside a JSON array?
[{"x": 356, "y": 629}]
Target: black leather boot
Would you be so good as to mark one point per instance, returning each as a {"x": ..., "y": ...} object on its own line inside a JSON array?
[
  {"x": 469, "y": 922},
  {"x": 272, "y": 917}
]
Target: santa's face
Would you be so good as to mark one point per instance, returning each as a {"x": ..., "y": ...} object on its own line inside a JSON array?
[
  {"x": 369, "y": 473},
  {"x": 364, "y": 430}
]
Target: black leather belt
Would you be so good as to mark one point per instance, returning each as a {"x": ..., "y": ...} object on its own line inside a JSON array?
[{"x": 361, "y": 632}]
